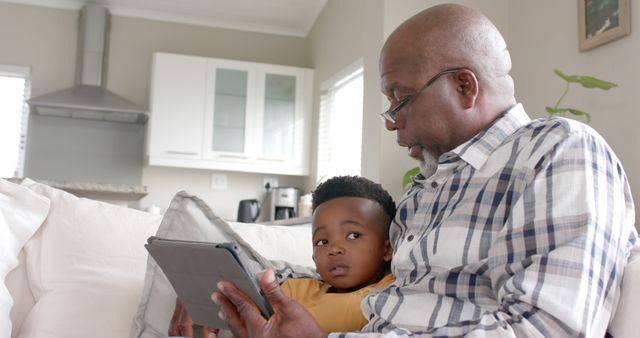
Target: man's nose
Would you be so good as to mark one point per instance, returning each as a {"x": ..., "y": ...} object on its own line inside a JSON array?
[{"x": 391, "y": 126}]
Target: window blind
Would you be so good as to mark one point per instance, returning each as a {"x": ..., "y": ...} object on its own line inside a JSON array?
[
  {"x": 340, "y": 127},
  {"x": 15, "y": 89}
]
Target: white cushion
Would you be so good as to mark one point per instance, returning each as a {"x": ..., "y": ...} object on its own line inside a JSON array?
[
  {"x": 278, "y": 243},
  {"x": 21, "y": 214},
  {"x": 625, "y": 320},
  {"x": 18, "y": 285},
  {"x": 86, "y": 267},
  {"x": 189, "y": 218}
]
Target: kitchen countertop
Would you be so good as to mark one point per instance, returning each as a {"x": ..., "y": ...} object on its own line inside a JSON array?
[
  {"x": 291, "y": 221},
  {"x": 101, "y": 191}
]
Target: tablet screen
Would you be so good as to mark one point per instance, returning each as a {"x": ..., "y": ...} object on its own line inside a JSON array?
[{"x": 195, "y": 268}]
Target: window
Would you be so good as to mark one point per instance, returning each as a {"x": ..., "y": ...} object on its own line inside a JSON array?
[
  {"x": 15, "y": 89},
  {"x": 340, "y": 124}
]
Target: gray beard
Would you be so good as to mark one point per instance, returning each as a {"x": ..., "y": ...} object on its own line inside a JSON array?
[{"x": 429, "y": 165}]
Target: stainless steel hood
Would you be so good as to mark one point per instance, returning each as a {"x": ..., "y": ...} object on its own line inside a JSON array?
[{"x": 89, "y": 99}]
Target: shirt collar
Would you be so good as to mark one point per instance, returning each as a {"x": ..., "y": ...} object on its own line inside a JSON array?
[{"x": 477, "y": 150}]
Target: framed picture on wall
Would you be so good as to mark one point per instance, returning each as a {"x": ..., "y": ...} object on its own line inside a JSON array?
[{"x": 601, "y": 21}]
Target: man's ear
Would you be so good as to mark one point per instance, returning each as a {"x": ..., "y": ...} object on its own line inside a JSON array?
[
  {"x": 467, "y": 86},
  {"x": 388, "y": 252}
]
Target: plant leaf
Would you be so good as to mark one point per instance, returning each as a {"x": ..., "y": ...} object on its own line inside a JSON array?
[
  {"x": 592, "y": 82},
  {"x": 586, "y": 81},
  {"x": 574, "y": 112},
  {"x": 568, "y": 78},
  {"x": 551, "y": 110},
  {"x": 406, "y": 179},
  {"x": 580, "y": 113}
]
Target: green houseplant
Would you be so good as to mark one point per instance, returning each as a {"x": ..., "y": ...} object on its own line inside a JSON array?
[{"x": 584, "y": 80}]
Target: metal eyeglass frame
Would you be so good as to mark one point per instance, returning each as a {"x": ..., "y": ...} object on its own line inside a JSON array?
[{"x": 390, "y": 115}]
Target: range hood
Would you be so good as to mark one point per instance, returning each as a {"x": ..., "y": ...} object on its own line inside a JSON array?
[{"x": 89, "y": 99}]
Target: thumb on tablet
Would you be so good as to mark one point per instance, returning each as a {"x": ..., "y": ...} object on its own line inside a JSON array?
[
  {"x": 290, "y": 318},
  {"x": 272, "y": 290}
]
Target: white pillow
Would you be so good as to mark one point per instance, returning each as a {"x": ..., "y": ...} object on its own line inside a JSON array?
[
  {"x": 21, "y": 214},
  {"x": 189, "y": 218},
  {"x": 278, "y": 242},
  {"x": 18, "y": 284},
  {"x": 85, "y": 267}
]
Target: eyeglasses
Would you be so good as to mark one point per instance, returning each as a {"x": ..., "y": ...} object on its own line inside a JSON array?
[{"x": 390, "y": 115}]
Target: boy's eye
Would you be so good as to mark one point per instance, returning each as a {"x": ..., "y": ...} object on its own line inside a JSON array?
[
  {"x": 353, "y": 235},
  {"x": 321, "y": 242}
]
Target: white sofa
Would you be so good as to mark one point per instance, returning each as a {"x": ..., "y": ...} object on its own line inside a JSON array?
[{"x": 77, "y": 267}]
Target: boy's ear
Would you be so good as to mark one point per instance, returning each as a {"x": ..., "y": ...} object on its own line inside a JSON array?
[{"x": 388, "y": 252}]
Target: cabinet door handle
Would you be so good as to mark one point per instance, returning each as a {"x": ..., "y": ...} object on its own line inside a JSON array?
[
  {"x": 233, "y": 156},
  {"x": 175, "y": 152}
]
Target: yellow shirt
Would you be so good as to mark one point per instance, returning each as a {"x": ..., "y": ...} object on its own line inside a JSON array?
[{"x": 335, "y": 312}]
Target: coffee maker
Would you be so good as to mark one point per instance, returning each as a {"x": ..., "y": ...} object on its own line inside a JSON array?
[{"x": 284, "y": 203}]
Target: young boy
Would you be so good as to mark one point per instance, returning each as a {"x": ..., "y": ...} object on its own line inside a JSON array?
[{"x": 351, "y": 250}]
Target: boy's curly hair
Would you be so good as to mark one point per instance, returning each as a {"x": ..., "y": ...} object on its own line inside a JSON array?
[{"x": 353, "y": 186}]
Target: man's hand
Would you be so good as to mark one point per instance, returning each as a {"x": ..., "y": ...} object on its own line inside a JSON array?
[{"x": 290, "y": 319}]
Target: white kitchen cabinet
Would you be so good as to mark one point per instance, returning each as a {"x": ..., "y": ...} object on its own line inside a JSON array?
[
  {"x": 177, "y": 102},
  {"x": 229, "y": 112},
  {"x": 254, "y": 117}
]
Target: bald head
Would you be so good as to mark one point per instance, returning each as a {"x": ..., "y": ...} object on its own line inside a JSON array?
[
  {"x": 453, "y": 35},
  {"x": 462, "y": 48}
]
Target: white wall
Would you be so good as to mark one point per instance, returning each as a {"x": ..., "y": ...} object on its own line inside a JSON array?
[
  {"x": 544, "y": 36},
  {"x": 109, "y": 152},
  {"x": 163, "y": 183},
  {"x": 346, "y": 31},
  {"x": 44, "y": 39}
]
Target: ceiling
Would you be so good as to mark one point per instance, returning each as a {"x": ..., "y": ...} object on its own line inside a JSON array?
[{"x": 285, "y": 17}]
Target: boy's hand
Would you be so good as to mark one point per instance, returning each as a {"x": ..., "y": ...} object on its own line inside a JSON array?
[
  {"x": 182, "y": 325},
  {"x": 290, "y": 319}
]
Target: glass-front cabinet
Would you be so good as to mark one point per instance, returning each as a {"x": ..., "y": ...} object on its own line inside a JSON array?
[
  {"x": 278, "y": 115},
  {"x": 231, "y": 91},
  {"x": 256, "y": 117},
  {"x": 230, "y": 110},
  {"x": 281, "y": 114}
]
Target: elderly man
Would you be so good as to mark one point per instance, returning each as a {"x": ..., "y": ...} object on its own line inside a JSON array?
[{"x": 513, "y": 228}]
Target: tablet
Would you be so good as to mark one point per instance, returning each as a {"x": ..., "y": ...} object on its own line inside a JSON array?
[{"x": 195, "y": 268}]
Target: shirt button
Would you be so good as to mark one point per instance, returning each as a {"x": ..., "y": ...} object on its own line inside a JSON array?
[
  {"x": 371, "y": 316},
  {"x": 410, "y": 238},
  {"x": 434, "y": 184}
]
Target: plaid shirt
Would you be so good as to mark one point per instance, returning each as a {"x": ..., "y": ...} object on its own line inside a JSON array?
[{"x": 523, "y": 231}]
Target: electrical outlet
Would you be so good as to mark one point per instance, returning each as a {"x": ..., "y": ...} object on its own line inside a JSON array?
[
  {"x": 218, "y": 182},
  {"x": 272, "y": 181}
]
